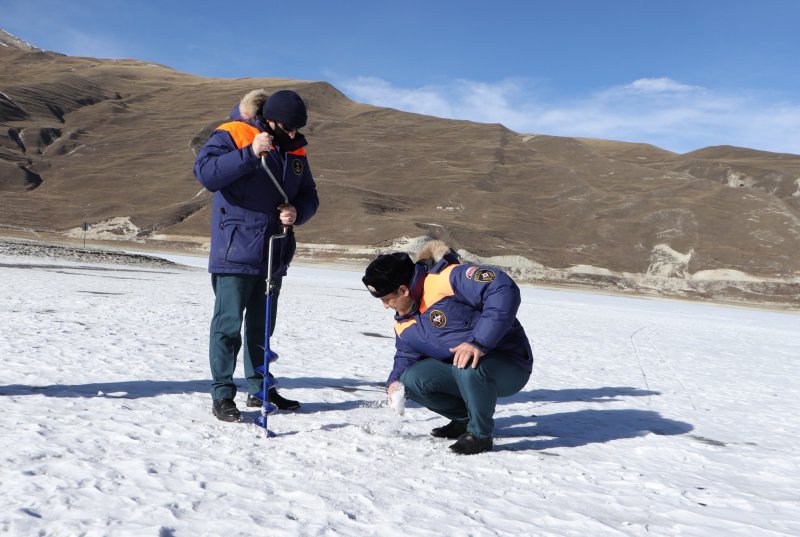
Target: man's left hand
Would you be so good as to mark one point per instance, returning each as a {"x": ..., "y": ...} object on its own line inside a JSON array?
[
  {"x": 288, "y": 214},
  {"x": 464, "y": 353}
]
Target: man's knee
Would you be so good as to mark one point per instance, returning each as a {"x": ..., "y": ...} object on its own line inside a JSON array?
[{"x": 470, "y": 375}]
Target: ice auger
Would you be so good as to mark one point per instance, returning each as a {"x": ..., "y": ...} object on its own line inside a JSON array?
[{"x": 268, "y": 408}]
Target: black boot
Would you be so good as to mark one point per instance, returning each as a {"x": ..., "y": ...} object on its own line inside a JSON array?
[
  {"x": 283, "y": 404},
  {"x": 253, "y": 401},
  {"x": 469, "y": 444},
  {"x": 454, "y": 429},
  {"x": 225, "y": 410}
]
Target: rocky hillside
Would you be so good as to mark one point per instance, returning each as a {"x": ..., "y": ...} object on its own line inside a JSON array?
[{"x": 112, "y": 143}]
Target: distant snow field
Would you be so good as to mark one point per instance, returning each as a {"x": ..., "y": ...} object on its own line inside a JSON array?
[{"x": 642, "y": 418}]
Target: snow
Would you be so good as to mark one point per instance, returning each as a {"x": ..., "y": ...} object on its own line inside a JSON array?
[
  {"x": 642, "y": 417},
  {"x": 397, "y": 400}
]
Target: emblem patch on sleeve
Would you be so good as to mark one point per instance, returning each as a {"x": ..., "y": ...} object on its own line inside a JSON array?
[
  {"x": 484, "y": 276},
  {"x": 438, "y": 318},
  {"x": 297, "y": 166},
  {"x": 470, "y": 272}
]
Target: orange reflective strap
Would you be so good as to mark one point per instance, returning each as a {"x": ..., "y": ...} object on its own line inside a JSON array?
[
  {"x": 436, "y": 287},
  {"x": 399, "y": 327},
  {"x": 298, "y": 152},
  {"x": 241, "y": 133}
]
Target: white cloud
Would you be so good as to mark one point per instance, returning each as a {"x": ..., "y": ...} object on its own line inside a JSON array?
[
  {"x": 461, "y": 99},
  {"x": 660, "y": 111},
  {"x": 659, "y": 85}
]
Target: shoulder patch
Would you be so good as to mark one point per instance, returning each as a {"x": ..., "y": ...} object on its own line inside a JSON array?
[
  {"x": 470, "y": 272},
  {"x": 438, "y": 318},
  {"x": 297, "y": 166},
  {"x": 484, "y": 276}
]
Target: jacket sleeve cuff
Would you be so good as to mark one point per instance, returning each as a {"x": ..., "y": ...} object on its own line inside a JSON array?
[{"x": 475, "y": 343}]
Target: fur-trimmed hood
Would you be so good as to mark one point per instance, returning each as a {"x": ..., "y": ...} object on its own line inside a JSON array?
[
  {"x": 434, "y": 250},
  {"x": 251, "y": 103}
]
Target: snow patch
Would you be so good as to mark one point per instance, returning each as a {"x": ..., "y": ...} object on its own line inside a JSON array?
[
  {"x": 797, "y": 185},
  {"x": 118, "y": 228},
  {"x": 738, "y": 179},
  {"x": 731, "y": 275},
  {"x": 589, "y": 269},
  {"x": 668, "y": 263}
]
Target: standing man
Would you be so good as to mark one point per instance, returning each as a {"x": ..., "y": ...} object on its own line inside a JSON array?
[
  {"x": 247, "y": 209},
  {"x": 459, "y": 345}
]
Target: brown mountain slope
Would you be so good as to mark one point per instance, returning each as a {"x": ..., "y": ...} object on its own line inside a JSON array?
[{"x": 112, "y": 143}]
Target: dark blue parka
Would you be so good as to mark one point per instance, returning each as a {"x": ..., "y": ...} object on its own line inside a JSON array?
[
  {"x": 245, "y": 202},
  {"x": 454, "y": 303}
]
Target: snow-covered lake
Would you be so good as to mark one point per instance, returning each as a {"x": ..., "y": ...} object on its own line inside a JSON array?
[{"x": 642, "y": 417}]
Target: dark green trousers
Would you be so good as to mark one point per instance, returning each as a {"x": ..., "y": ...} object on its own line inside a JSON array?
[
  {"x": 239, "y": 299},
  {"x": 465, "y": 395}
]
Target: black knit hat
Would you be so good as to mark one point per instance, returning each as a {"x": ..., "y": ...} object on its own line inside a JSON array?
[
  {"x": 285, "y": 107},
  {"x": 387, "y": 272}
]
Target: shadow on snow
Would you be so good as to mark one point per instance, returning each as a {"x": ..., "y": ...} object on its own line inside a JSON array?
[
  {"x": 570, "y": 395},
  {"x": 536, "y": 432},
  {"x": 581, "y": 427},
  {"x": 136, "y": 389}
]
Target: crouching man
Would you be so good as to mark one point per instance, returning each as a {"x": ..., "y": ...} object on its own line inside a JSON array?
[{"x": 459, "y": 345}]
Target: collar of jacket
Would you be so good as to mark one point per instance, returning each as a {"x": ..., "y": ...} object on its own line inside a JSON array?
[{"x": 417, "y": 286}]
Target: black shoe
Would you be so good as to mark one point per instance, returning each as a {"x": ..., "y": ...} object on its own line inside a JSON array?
[
  {"x": 253, "y": 401},
  {"x": 469, "y": 444},
  {"x": 279, "y": 401},
  {"x": 454, "y": 429},
  {"x": 225, "y": 410}
]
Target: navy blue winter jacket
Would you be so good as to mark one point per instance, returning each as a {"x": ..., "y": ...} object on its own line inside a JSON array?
[
  {"x": 455, "y": 303},
  {"x": 245, "y": 202}
]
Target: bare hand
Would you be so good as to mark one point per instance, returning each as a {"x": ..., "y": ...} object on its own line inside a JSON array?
[
  {"x": 464, "y": 353},
  {"x": 288, "y": 214},
  {"x": 262, "y": 143}
]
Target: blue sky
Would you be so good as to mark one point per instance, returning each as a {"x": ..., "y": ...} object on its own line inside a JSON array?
[{"x": 679, "y": 74}]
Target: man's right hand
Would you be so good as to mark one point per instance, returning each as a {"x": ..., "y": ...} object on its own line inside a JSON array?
[{"x": 262, "y": 143}]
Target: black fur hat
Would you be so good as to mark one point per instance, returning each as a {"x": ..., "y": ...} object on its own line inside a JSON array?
[{"x": 387, "y": 272}]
